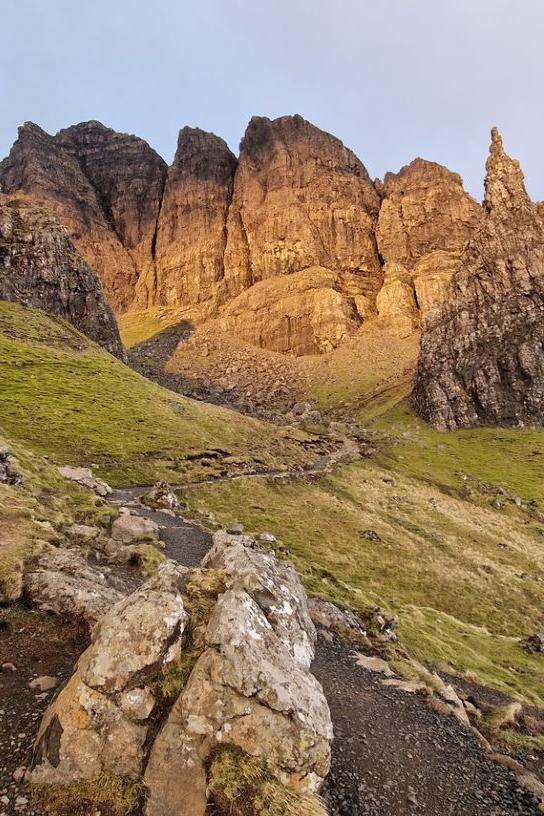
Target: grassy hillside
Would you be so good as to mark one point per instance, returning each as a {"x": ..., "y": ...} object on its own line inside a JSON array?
[
  {"x": 63, "y": 396},
  {"x": 33, "y": 513},
  {"x": 466, "y": 578}
]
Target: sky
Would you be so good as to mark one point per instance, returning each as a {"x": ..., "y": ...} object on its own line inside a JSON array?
[{"x": 394, "y": 79}]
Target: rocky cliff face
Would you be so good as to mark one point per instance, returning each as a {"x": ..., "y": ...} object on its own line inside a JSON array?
[
  {"x": 301, "y": 199},
  {"x": 104, "y": 186},
  {"x": 191, "y": 234},
  {"x": 425, "y": 219},
  {"x": 482, "y": 351},
  {"x": 129, "y": 179},
  {"x": 219, "y": 236},
  {"x": 40, "y": 267}
]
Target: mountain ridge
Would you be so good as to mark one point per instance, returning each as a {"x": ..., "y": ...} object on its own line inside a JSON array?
[{"x": 212, "y": 225}]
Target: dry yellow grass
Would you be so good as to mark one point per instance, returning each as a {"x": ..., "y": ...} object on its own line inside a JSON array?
[{"x": 239, "y": 785}]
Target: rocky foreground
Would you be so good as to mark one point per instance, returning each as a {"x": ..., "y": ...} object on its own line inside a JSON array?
[{"x": 202, "y": 678}]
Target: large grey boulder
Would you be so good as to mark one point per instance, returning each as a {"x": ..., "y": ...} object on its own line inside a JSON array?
[
  {"x": 84, "y": 477},
  {"x": 273, "y": 585},
  {"x": 62, "y": 581},
  {"x": 251, "y": 687},
  {"x": 250, "y": 683},
  {"x": 129, "y": 528}
]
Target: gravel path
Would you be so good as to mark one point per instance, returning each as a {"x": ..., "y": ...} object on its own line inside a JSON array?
[
  {"x": 394, "y": 756},
  {"x": 185, "y": 542}
]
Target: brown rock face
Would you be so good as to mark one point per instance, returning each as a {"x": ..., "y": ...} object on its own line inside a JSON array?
[
  {"x": 482, "y": 352},
  {"x": 191, "y": 235},
  {"x": 217, "y": 237},
  {"x": 301, "y": 199},
  {"x": 424, "y": 208},
  {"x": 104, "y": 186},
  {"x": 301, "y": 313},
  {"x": 129, "y": 179},
  {"x": 425, "y": 219},
  {"x": 40, "y": 267}
]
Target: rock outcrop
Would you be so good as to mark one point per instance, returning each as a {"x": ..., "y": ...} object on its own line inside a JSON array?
[
  {"x": 295, "y": 221},
  {"x": 129, "y": 178},
  {"x": 248, "y": 645},
  {"x": 251, "y": 687},
  {"x": 191, "y": 232},
  {"x": 300, "y": 313},
  {"x": 482, "y": 351},
  {"x": 99, "y": 721},
  {"x": 63, "y": 582},
  {"x": 40, "y": 267},
  {"x": 106, "y": 189},
  {"x": 425, "y": 219},
  {"x": 301, "y": 199}
]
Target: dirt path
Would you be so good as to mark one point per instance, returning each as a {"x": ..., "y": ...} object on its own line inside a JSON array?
[
  {"x": 184, "y": 542},
  {"x": 392, "y": 754}
]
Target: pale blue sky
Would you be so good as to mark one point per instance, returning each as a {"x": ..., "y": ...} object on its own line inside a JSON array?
[{"x": 392, "y": 78}]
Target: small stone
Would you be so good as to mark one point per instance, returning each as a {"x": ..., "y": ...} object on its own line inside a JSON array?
[
  {"x": 235, "y": 529},
  {"x": 83, "y": 532},
  {"x": 370, "y": 535},
  {"x": 9, "y": 667},
  {"x": 267, "y": 538},
  {"x": 19, "y": 773},
  {"x": 44, "y": 683}
]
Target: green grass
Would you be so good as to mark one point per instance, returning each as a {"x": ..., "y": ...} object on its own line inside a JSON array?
[
  {"x": 135, "y": 327},
  {"x": 38, "y": 511},
  {"x": 491, "y": 659},
  {"x": 65, "y": 397},
  {"x": 509, "y": 457},
  {"x": 437, "y": 552}
]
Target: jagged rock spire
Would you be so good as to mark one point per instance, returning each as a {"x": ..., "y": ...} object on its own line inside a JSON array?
[{"x": 504, "y": 187}]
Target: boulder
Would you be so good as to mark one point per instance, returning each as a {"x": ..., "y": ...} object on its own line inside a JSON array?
[
  {"x": 63, "y": 582},
  {"x": 249, "y": 685},
  {"x": 160, "y": 497},
  {"x": 10, "y": 470},
  {"x": 84, "y": 476},
  {"x": 246, "y": 689},
  {"x": 128, "y": 528},
  {"x": 83, "y": 533},
  {"x": 99, "y": 721},
  {"x": 274, "y": 585}
]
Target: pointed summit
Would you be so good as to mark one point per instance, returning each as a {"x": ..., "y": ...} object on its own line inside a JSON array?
[{"x": 504, "y": 187}]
